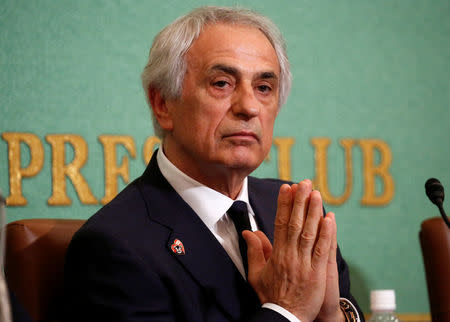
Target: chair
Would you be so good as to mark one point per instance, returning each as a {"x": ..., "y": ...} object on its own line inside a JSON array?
[
  {"x": 435, "y": 242},
  {"x": 34, "y": 262}
]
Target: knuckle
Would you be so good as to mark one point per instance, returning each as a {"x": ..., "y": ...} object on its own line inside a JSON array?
[
  {"x": 280, "y": 224},
  {"x": 284, "y": 202},
  {"x": 308, "y": 236},
  {"x": 294, "y": 226},
  {"x": 320, "y": 252},
  {"x": 299, "y": 202}
]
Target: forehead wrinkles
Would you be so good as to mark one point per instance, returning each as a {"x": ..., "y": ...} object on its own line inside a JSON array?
[{"x": 232, "y": 45}]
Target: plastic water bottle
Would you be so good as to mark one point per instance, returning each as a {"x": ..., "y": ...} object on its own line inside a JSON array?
[{"x": 382, "y": 304}]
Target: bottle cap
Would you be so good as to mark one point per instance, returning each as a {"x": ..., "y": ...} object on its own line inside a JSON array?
[{"x": 382, "y": 300}]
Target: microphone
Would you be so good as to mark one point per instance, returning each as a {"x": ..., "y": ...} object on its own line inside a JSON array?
[{"x": 435, "y": 192}]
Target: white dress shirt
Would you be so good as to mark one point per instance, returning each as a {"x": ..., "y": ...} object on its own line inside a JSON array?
[{"x": 211, "y": 206}]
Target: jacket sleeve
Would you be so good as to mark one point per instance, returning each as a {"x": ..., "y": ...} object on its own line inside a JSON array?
[{"x": 344, "y": 283}]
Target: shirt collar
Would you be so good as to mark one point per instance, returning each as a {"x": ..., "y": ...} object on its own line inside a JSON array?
[{"x": 209, "y": 204}]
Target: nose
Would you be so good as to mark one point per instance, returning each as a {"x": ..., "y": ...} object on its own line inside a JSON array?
[{"x": 245, "y": 103}]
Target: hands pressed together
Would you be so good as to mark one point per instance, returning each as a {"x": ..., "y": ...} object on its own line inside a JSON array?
[{"x": 299, "y": 272}]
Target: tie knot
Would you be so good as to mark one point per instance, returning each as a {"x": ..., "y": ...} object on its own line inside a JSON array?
[
  {"x": 239, "y": 214},
  {"x": 238, "y": 206}
]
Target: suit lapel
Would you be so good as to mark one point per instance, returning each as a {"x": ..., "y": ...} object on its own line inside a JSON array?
[
  {"x": 202, "y": 250},
  {"x": 263, "y": 199}
]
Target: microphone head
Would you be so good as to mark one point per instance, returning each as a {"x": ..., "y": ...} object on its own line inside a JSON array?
[{"x": 435, "y": 191}]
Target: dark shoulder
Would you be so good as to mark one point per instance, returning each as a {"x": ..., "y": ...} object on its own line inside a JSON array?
[
  {"x": 121, "y": 216},
  {"x": 264, "y": 188},
  {"x": 269, "y": 183}
]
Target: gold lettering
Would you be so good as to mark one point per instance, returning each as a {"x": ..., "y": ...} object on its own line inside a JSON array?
[
  {"x": 149, "y": 147},
  {"x": 72, "y": 170},
  {"x": 112, "y": 169},
  {"x": 16, "y": 172},
  {"x": 284, "y": 145},
  {"x": 321, "y": 180},
  {"x": 370, "y": 198}
]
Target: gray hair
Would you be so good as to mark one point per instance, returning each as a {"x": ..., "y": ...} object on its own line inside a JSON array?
[{"x": 166, "y": 64}]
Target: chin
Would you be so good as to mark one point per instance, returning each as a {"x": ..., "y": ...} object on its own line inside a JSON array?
[
  {"x": 247, "y": 158},
  {"x": 245, "y": 162}
]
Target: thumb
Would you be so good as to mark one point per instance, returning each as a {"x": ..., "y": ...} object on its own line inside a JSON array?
[
  {"x": 255, "y": 254},
  {"x": 266, "y": 245}
]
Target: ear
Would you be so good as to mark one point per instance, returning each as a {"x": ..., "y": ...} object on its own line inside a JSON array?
[{"x": 160, "y": 110}]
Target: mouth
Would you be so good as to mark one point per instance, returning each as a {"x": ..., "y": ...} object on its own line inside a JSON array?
[{"x": 242, "y": 135}]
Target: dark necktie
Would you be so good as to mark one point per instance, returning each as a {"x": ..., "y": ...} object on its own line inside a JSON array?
[{"x": 239, "y": 214}]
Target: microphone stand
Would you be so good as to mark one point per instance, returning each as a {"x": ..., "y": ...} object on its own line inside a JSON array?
[
  {"x": 443, "y": 214},
  {"x": 5, "y": 307}
]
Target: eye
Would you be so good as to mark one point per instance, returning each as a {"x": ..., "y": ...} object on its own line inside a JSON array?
[
  {"x": 220, "y": 83},
  {"x": 264, "y": 88}
]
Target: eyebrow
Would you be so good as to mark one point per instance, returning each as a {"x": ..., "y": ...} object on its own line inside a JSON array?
[
  {"x": 226, "y": 69},
  {"x": 266, "y": 75},
  {"x": 235, "y": 72}
]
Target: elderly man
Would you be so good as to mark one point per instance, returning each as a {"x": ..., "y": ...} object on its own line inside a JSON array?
[{"x": 170, "y": 247}]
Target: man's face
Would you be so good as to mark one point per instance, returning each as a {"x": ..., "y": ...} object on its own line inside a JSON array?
[{"x": 225, "y": 116}]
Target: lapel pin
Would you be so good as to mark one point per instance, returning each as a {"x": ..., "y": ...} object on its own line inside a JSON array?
[{"x": 177, "y": 247}]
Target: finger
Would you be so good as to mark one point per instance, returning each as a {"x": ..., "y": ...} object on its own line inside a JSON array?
[
  {"x": 321, "y": 251},
  {"x": 300, "y": 204},
  {"x": 266, "y": 245},
  {"x": 331, "y": 301},
  {"x": 294, "y": 189},
  {"x": 333, "y": 247},
  {"x": 255, "y": 254},
  {"x": 311, "y": 226},
  {"x": 284, "y": 207}
]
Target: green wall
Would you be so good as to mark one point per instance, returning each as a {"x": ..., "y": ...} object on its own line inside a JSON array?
[{"x": 362, "y": 69}]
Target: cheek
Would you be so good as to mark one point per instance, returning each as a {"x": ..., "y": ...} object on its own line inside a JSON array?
[
  {"x": 215, "y": 117},
  {"x": 204, "y": 126},
  {"x": 268, "y": 124}
]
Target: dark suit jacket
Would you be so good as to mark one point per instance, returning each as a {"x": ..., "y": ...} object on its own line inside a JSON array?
[
  {"x": 120, "y": 266},
  {"x": 18, "y": 312}
]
